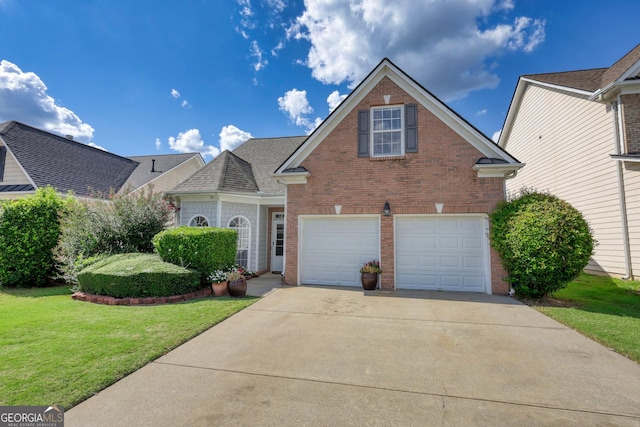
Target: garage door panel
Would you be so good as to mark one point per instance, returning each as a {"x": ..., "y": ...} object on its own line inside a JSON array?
[
  {"x": 472, "y": 263},
  {"x": 333, "y": 249},
  {"x": 449, "y": 254},
  {"x": 450, "y": 262}
]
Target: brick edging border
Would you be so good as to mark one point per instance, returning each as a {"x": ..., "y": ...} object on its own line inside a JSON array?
[
  {"x": 106, "y": 300},
  {"x": 103, "y": 299}
]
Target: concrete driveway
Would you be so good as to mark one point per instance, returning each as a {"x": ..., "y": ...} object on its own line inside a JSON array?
[{"x": 336, "y": 356}]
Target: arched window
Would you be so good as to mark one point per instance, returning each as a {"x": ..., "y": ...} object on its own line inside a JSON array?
[
  {"x": 243, "y": 227},
  {"x": 199, "y": 221}
]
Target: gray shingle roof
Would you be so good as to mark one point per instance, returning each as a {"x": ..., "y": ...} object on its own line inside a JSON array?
[
  {"x": 265, "y": 156},
  {"x": 247, "y": 169},
  {"x": 588, "y": 80},
  {"x": 64, "y": 164},
  {"x": 226, "y": 172},
  {"x": 591, "y": 80},
  {"x": 163, "y": 163}
]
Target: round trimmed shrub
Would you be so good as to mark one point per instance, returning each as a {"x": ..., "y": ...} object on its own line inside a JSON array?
[
  {"x": 137, "y": 275},
  {"x": 205, "y": 249},
  {"x": 543, "y": 241}
]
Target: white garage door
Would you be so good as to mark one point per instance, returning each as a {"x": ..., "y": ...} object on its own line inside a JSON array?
[
  {"x": 332, "y": 250},
  {"x": 441, "y": 253}
]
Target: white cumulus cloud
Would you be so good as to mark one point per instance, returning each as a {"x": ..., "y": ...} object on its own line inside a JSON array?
[
  {"x": 158, "y": 144},
  {"x": 231, "y": 137},
  {"x": 334, "y": 99},
  {"x": 295, "y": 104},
  {"x": 175, "y": 93},
  {"x": 91, "y": 144},
  {"x": 448, "y": 45},
  {"x": 23, "y": 97},
  {"x": 190, "y": 142},
  {"x": 496, "y": 135}
]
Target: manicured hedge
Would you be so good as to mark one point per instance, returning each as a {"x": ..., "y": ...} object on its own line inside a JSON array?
[
  {"x": 543, "y": 241},
  {"x": 205, "y": 249},
  {"x": 29, "y": 230},
  {"x": 137, "y": 275}
]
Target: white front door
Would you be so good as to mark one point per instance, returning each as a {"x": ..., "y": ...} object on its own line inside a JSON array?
[{"x": 277, "y": 242}]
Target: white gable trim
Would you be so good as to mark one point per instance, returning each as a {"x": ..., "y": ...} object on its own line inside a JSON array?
[
  {"x": 18, "y": 163},
  {"x": 435, "y": 106},
  {"x": 558, "y": 87},
  {"x": 634, "y": 70},
  {"x": 516, "y": 101},
  {"x": 164, "y": 174}
]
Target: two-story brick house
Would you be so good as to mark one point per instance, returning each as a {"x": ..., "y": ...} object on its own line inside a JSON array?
[{"x": 394, "y": 174}]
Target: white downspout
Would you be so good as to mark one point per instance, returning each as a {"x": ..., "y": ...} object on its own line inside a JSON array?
[
  {"x": 619, "y": 142},
  {"x": 284, "y": 243},
  {"x": 257, "y": 238}
]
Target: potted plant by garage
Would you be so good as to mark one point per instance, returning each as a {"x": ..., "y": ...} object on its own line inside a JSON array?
[
  {"x": 236, "y": 282},
  {"x": 218, "y": 281},
  {"x": 369, "y": 275}
]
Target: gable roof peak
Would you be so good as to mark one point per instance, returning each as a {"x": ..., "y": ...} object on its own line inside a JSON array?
[{"x": 620, "y": 68}]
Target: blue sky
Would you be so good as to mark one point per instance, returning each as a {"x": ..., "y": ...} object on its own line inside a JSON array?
[{"x": 144, "y": 77}]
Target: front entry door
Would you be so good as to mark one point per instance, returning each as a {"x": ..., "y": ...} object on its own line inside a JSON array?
[{"x": 277, "y": 242}]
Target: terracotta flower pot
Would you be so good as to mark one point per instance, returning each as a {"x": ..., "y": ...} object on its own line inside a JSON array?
[
  {"x": 219, "y": 288},
  {"x": 237, "y": 288},
  {"x": 369, "y": 281}
]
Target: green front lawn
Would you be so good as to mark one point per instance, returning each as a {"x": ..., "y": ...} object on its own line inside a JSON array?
[
  {"x": 606, "y": 310},
  {"x": 54, "y": 350}
]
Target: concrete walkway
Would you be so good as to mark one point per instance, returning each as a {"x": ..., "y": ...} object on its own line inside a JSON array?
[{"x": 336, "y": 356}]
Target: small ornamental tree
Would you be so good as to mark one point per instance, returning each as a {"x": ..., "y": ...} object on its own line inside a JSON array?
[
  {"x": 123, "y": 223},
  {"x": 543, "y": 241},
  {"x": 29, "y": 230}
]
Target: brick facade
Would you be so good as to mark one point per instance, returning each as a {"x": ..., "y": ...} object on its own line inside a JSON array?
[
  {"x": 440, "y": 172},
  {"x": 631, "y": 118}
]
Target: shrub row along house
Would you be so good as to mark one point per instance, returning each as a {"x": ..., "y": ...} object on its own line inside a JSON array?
[
  {"x": 392, "y": 174},
  {"x": 31, "y": 158},
  {"x": 579, "y": 134}
]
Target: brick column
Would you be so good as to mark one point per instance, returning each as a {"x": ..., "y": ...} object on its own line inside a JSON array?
[{"x": 387, "y": 261}]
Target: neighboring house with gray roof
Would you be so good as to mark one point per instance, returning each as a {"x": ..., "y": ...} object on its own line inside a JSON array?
[
  {"x": 579, "y": 134},
  {"x": 237, "y": 190},
  {"x": 162, "y": 172},
  {"x": 32, "y": 158}
]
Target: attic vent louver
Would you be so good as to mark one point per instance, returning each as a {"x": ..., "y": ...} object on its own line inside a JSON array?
[{"x": 69, "y": 137}]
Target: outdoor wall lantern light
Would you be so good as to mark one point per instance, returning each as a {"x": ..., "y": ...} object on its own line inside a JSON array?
[{"x": 387, "y": 209}]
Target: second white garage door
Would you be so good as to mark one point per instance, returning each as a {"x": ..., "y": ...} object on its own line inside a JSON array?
[
  {"x": 441, "y": 253},
  {"x": 332, "y": 249}
]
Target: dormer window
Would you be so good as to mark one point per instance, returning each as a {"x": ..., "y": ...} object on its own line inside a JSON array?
[{"x": 388, "y": 131}]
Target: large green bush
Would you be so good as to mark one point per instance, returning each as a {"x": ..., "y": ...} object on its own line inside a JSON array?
[
  {"x": 29, "y": 230},
  {"x": 137, "y": 275},
  {"x": 205, "y": 249},
  {"x": 543, "y": 241},
  {"x": 119, "y": 224}
]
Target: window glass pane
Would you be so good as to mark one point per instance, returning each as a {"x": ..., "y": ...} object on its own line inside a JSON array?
[{"x": 199, "y": 221}]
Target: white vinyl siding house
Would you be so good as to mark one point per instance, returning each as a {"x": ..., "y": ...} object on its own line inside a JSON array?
[
  {"x": 632, "y": 189},
  {"x": 566, "y": 141}
]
